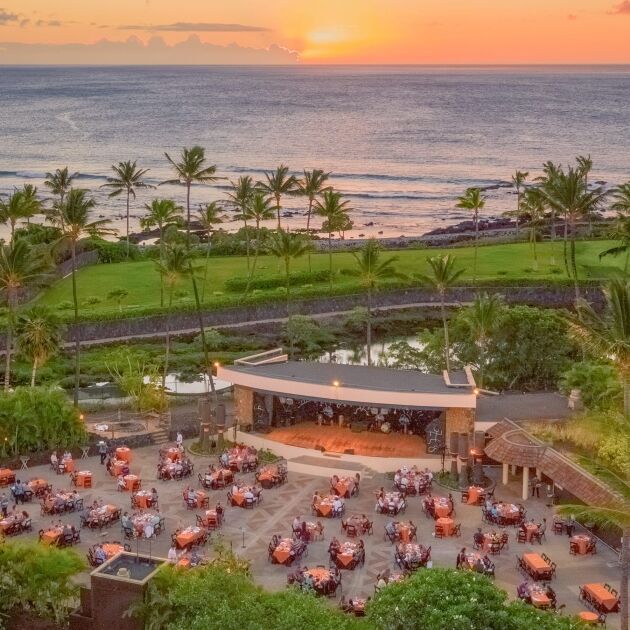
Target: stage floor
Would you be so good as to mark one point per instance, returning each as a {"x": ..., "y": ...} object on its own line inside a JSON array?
[{"x": 336, "y": 440}]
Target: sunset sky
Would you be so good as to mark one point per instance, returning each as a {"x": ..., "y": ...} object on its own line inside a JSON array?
[{"x": 326, "y": 31}]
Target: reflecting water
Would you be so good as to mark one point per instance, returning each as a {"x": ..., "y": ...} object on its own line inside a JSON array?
[{"x": 357, "y": 355}]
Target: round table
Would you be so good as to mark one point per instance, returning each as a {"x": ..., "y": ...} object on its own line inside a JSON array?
[
  {"x": 124, "y": 453},
  {"x": 589, "y": 617}
]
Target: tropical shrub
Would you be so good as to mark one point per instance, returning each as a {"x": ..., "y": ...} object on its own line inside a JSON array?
[
  {"x": 36, "y": 578},
  {"x": 38, "y": 418},
  {"x": 299, "y": 278},
  {"x": 598, "y": 382},
  {"x": 444, "y": 598},
  {"x": 113, "y": 252},
  {"x": 307, "y": 335}
]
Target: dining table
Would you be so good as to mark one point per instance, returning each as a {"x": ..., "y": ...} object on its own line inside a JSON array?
[
  {"x": 143, "y": 499},
  {"x": 344, "y": 486},
  {"x": 189, "y": 536},
  {"x": 447, "y": 524},
  {"x": 605, "y": 600},
  {"x": 538, "y": 596},
  {"x": 537, "y": 566},
  {"x": 474, "y": 494},
  {"x": 51, "y": 535},
  {"x": 112, "y": 549},
  {"x": 282, "y": 553},
  {"x": 347, "y": 554},
  {"x": 83, "y": 479},
  {"x": 118, "y": 466},
  {"x": 405, "y": 531},
  {"x": 124, "y": 453},
  {"x": 7, "y": 476},
  {"x": 441, "y": 506},
  {"x": 531, "y": 529},
  {"x": 131, "y": 482},
  {"x": 325, "y": 505},
  {"x": 582, "y": 542}
]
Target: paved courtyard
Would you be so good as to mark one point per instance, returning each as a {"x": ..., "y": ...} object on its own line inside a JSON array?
[{"x": 249, "y": 531}]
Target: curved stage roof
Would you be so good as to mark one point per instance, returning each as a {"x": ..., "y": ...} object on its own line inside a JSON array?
[{"x": 355, "y": 384}]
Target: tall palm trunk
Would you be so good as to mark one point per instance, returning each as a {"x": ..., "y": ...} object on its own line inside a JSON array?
[
  {"x": 330, "y": 260},
  {"x": 162, "y": 259},
  {"x": 476, "y": 239},
  {"x": 518, "y": 208},
  {"x": 553, "y": 236},
  {"x": 573, "y": 261},
  {"x": 246, "y": 239},
  {"x": 11, "y": 300},
  {"x": 446, "y": 339},
  {"x": 566, "y": 240},
  {"x": 205, "y": 271},
  {"x": 278, "y": 209},
  {"x": 77, "y": 340},
  {"x": 482, "y": 360},
  {"x": 287, "y": 269},
  {"x": 34, "y": 372},
  {"x": 625, "y": 574},
  {"x": 626, "y": 397},
  {"x": 256, "y": 251},
  {"x": 188, "y": 214},
  {"x": 368, "y": 327},
  {"x": 308, "y": 226},
  {"x": 533, "y": 237},
  {"x": 167, "y": 349},
  {"x": 128, "y": 194}
]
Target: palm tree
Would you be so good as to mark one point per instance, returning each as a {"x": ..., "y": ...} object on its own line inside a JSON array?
[
  {"x": 335, "y": 214},
  {"x": 287, "y": 246},
  {"x": 619, "y": 517},
  {"x": 567, "y": 193},
  {"x": 482, "y": 319},
  {"x": 311, "y": 186},
  {"x": 259, "y": 210},
  {"x": 208, "y": 217},
  {"x": 74, "y": 215},
  {"x": 19, "y": 205},
  {"x": 162, "y": 214},
  {"x": 621, "y": 199},
  {"x": 119, "y": 295},
  {"x": 533, "y": 209},
  {"x": 473, "y": 200},
  {"x": 241, "y": 196},
  {"x": 585, "y": 164},
  {"x": 608, "y": 334},
  {"x": 550, "y": 171},
  {"x": 59, "y": 183},
  {"x": 172, "y": 268},
  {"x": 39, "y": 336},
  {"x": 191, "y": 169},
  {"x": 443, "y": 276},
  {"x": 278, "y": 183},
  {"x": 19, "y": 267},
  {"x": 371, "y": 271},
  {"x": 621, "y": 232},
  {"x": 518, "y": 179},
  {"x": 127, "y": 179}
]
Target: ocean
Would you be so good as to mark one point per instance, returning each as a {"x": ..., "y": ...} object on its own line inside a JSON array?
[{"x": 401, "y": 142}]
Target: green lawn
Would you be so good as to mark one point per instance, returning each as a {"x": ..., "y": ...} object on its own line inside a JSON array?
[{"x": 509, "y": 262}]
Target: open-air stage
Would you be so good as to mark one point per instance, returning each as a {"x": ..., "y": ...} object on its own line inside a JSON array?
[{"x": 334, "y": 439}]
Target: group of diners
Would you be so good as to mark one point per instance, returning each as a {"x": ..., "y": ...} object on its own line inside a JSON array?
[
  {"x": 189, "y": 537},
  {"x": 103, "y": 551},
  {"x": 320, "y": 580},
  {"x": 144, "y": 499},
  {"x": 99, "y": 515},
  {"x": 387, "y": 577},
  {"x": 272, "y": 475},
  {"x": 476, "y": 495},
  {"x": 353, "y": 605},
  {"x": 490, "y": 542},
  {"x": 345, "y": 487},
  {"x": 438, "y": 507},
  {"x": 142, "y": 524},
  {"x": 195, "y": 499},
  {"x": 244, "y": 495},
  {"x": 412, "y": 556},
  {"x": 240, "y": 458},
  {"x": 501, "y": 513},
  {"x": 21, "y": 492},
  {"x": 15, "y": 522},
  {"x": 401, "y": 531},
  {"x": 286, "y": 551},
  {"x": 529, "y": 531},
  {"x": 179, "y": 468},
  {"x": 186, "y": 559},
  {"x": 60, "y": 501},
  {"x": 357, "y": 525},
  {"x": 307, "y": 531},
  {"x": 215, "y": 478},
  {"x": 347, "y": 555},
  {"x": 473, "y": 561},
  {"x": 389, "y": 502},
  {"x": 327, "y": 505},
  {"x": 411, "y": 481},
  {"x": 538, "y": 595},
  {"x": 59, "y": 534},
  {"x": 62, "y": 464},
  {"x": 212, "y": 517}
]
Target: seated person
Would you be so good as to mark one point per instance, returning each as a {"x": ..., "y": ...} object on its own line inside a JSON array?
[
  {"x": 337, "y": 506},
  {"x": 522, "y": 591},
  {"x": 67, "y": 531},
  {"x": 297, "y": 523},
  {"x": 99, "y": 554},
  {"x": 249, "y": 495},
  {"x": 54, "y": 459},
  {"x": 479, "y": 538},
  {"x": 121, "y": 483},
  {"x": 126, "y": 522},
  {"x": 390, "y": 528}
]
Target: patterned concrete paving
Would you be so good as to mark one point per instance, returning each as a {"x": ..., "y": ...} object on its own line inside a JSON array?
[{"x": 275, "y": 514}]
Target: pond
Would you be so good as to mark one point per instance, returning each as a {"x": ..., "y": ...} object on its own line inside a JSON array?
[{"x": 357, "y": 354}]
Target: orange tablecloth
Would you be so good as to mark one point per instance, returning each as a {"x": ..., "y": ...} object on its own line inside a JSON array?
[
  {"x": 118, "y": 465},
  {"x": 601, "y": 595},
  {"x": 283, "y": 550},
  {"x": 6, "y": 475},
  {"x": 210, "y": 518},
  {"x": 130, "y": 480},
  {"x": 447, "y": 524},
  {"x": 142, "y": 498},
  {"x": 589, "y": 617},
  {"x": 68, "y": 465},
  {"x": 344, "y": 486},
  {"x": 346, "y": 554},
  {"x": 201, "y": 497},
  {"x": 51, "y": 536},
  {"x": 530, "y": 530},
  {"x": 488, "y": 539},
  {"x": 441, "y": 506},
  {"x": 124, "y": 453},
  {"x": 9, "y": 521},
  {"x": 319, "y": 575},
  {"x": 508, "y": 510},
  {"x": 173, "y": 454},
  {"x": 474, "y": 492},
  {"x": 582, "y": 542},
  {"x": 82, "y": 476},
  {"x": 324, "y": 507},
  {"x": 189, "y": 536},
  {"x": 111, "y": 549},
  {"x": 536, "y": 563},
  {"x": 404, "y": 532},
  {"x": 37, "y": 484},
  {"x": 267, "y": 473},
  {"x": 539, "y": 597}
]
